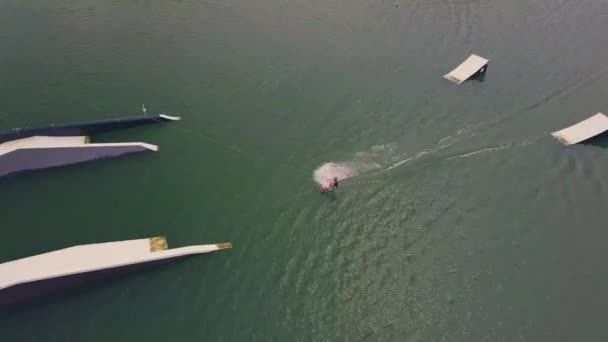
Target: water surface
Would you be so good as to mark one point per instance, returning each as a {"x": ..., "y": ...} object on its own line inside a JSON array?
[{"x": 465, "y": 221}]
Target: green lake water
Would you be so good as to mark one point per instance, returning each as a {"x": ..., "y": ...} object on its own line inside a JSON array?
[{"x": 465, "y": 220}]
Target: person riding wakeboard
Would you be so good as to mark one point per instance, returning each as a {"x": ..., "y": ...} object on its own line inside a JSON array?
[{"x": 333, "y": 185}]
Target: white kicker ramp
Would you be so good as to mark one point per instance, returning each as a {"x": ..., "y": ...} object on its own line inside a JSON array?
[
  {"x": 583, "y": 130},
  {"x": 468, "y": 68}
]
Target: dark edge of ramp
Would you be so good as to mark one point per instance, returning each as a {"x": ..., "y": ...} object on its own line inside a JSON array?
[{"x": 86, "y": 128}]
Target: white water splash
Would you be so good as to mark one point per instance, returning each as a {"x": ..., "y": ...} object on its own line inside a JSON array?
[
  {"x": 385, "y": 157},
  {"x": 326, "y": 173},
  {"x": 362, "y": 161}
]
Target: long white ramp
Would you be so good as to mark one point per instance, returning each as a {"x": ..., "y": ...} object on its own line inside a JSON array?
[
  {"x": 74, "y": 266},
  {"x": 467, "y": 69},
  {"x": 583, "y": 130}
]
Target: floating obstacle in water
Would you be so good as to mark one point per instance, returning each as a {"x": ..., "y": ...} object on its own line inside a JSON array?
[
  {"x": 27, "y": 149},
  {"x": 474, "y": 66},
  {"x": 70, "y": 267},
  {"x": 583, "y": 130}
]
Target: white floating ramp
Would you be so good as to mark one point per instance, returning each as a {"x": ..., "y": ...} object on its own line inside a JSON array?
[
  {"x": 41, "y": 152},
  {"x": 26, "y": 149},
  {"x": 583, "y": 130},
  {"x": 473, "y": 65},
  {"x": 50, "y": 272}
]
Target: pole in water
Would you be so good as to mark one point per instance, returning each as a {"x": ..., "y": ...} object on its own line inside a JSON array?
[{"x": 143, "y": 109}]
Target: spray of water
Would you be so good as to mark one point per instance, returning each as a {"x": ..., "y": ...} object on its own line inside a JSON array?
[
  {"x": 361, "y": 162},
  {"x": 326, "y": 173},
  {"x": 383, "y": 158}
]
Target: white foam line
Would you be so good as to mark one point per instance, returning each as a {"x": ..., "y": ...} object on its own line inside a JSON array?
[
  {"x": 399, "y": 163},
  {"x": 396, "y": 164},
  {"x": 503, "y": 146},
  {"x": 444, "y": 139},
  {"x": 416, "y": 156},
  {"x": 477, "y": 152}
]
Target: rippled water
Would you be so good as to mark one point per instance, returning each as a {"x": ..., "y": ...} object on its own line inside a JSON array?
[{"x": 465, "y": 221}]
